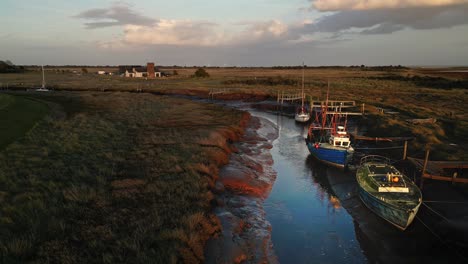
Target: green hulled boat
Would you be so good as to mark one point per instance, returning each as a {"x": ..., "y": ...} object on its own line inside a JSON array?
[{"x": 387, "y": 192}]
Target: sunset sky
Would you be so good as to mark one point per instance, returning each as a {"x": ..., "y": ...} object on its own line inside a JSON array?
[{"x": 235, "y": 33}]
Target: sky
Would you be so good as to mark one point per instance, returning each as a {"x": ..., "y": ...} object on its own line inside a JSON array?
[{"x": 235, "y": 33}]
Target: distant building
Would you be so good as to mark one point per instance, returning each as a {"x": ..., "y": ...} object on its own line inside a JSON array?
[
  {"x": 135, "y": 71},
  {"x": 101, "y": 72}
]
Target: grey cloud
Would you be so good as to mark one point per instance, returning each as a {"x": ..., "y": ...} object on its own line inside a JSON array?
[
  {"x": 117, "y": 14},
  {"x": 383, "y": 21},
  {"x": 384, "y": 28}
]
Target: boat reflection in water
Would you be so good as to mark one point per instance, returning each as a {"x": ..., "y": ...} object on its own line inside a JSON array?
[{"x": 379, "y": 241}]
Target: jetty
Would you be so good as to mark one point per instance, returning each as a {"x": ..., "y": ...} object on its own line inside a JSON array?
[{"x": 450, "y": 171}]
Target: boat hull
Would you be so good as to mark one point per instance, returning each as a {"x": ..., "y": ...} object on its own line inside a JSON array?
[
  {"x": 399, "y": 217},
  {"x": 302, "y": 117},
  {"x": 329, "y": 155}
]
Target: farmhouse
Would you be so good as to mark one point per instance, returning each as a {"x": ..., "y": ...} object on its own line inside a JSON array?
[{"x": 136, "y": 71}]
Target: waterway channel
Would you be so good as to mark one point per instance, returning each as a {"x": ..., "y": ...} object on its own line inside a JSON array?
[{"x": 317, "y": 217}]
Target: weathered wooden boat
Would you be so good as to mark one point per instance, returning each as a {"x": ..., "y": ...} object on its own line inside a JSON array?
[{"x": 387, "y": 192}]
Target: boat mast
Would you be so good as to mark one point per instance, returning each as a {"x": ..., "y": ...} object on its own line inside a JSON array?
[
  {"x": 302, "y": 95},
  {"x": 43, "y": 78},
  {"x": 325, "y": 108}
]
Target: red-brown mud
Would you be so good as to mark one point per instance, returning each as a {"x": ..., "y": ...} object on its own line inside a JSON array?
[{"x": 242, "y": 186}]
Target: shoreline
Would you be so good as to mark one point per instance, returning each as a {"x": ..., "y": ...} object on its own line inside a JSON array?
[{"x": 242, "y": 186}]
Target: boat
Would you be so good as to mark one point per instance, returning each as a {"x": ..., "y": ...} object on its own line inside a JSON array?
[
  {"x": 387, "y": 192},
  {"x": 43, "y": 86},
  {"x": 302, "y": 114},
  {"x": 327, "y": 138}
]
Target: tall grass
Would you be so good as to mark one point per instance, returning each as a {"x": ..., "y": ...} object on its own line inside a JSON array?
[{"x": 113, "y": 178}]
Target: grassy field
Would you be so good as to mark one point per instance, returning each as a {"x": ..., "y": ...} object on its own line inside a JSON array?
[
  {"x": 17, "y": 116},
  {"x": 112, "y": 178},
  {"x": 413, "y": 92}
]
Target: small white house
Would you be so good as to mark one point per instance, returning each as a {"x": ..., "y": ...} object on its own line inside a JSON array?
[{"x": 101, "y": 72}]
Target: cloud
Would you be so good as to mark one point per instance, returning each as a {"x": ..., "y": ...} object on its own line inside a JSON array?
[
  {"x": 202, "y": 33},
  {"x": 174, "y": 32},
  {"x": 385, "y": 21},
  {"x": 116, "y": 15},
  {"x": 339, "y": 5},
  {"x": 142, "y": 30}
]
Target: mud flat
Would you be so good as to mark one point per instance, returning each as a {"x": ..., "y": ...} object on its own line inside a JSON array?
[{"x": 241, "y": 189}]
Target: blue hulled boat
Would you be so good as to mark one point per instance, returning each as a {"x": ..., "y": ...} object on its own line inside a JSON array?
[
  {"x": 387, "y": 192},
  {"x": 337, "y": 151}
]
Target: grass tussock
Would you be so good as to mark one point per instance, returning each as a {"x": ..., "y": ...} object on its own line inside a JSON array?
[{"x": 113, "y": 178}]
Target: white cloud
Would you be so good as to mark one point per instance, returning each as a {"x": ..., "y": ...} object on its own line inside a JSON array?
[
  {"x": 174, "y": 32},
  {"x": 201, "y": 33},
  {"x": 338, "y": 5}
]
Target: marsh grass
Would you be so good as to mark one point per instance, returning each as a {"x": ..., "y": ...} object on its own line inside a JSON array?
[
  {"x": 414, "y": 92},
  {"x": 113, "y": 178},
  {"x": 17, "y": 116}
]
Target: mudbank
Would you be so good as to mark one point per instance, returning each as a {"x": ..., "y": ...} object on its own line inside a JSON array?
[{"x": 242, "y": 186}]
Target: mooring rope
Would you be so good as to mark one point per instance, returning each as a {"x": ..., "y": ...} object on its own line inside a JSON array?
[
  {"x": 445, "y": 243},
  {"x": 449, "y": 202},
  {"x": 434, "y": 211},
  {"x": 397, "y": 147}
]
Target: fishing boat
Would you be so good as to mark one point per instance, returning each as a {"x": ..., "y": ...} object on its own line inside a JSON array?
[
  {"x": 387, "y": 192},
  {"x": 302, "y": 114},
  {"x": 43, "y": 86},
  {"x": 327, "y": 138}
]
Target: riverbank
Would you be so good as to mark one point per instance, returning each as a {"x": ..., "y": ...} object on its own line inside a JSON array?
[{"x": 243, "y": 185}]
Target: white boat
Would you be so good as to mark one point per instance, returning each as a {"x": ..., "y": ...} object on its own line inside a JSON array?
[
  {"x": 43, "y": 86},
  {"x": 302, "y": 114}
]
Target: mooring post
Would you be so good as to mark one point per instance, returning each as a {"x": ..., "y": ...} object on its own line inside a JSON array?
[
  {"x": 405, "y": 149},
  {"x": 426, "y": 159},
  {"x": 363, "y": 107}
]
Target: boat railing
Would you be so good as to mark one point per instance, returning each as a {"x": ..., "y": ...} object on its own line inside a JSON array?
[{"x": 375, "y": 158}]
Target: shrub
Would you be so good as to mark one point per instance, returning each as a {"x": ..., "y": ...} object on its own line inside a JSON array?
[{"x": 201, "y": 73}]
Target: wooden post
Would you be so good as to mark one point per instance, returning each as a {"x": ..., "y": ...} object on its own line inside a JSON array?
[
  {"x": 405, "y": 149},
  {"x": 363, "y": 107},
  {"x": 426, "y": 159},
  {"x": 454, "y": 177}
]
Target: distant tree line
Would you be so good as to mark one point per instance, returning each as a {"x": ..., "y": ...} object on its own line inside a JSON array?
[
  {"x": 270, "y": 81},
  {"x": 8, "y": 67},
  {"x": 363, "y": 67},
  {"x": 427, "y": 81}
]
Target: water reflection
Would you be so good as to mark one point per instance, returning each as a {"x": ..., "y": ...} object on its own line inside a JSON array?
[
  {"x": 309, "y": 225},
  {"x": 317, "y": 217}
]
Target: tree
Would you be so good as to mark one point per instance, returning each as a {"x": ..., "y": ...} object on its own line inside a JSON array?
[
  {"x": 201, "y": 73},
  {"x": 175, "y": 72},
  {"x": 84, "y": 70}
]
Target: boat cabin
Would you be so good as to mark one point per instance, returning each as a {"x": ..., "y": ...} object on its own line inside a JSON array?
[
  {"x": 388, "y": 178},
  {"x": 340, "y": 138}
]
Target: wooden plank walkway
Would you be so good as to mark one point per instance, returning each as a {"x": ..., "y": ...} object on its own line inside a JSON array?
[
  {"x": 389, "y": 139},
  {"x": 333, "y": 104}
]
